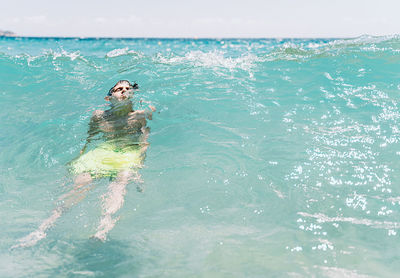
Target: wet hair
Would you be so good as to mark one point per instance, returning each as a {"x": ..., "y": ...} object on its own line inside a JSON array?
[{"x": 135, "y": 86}]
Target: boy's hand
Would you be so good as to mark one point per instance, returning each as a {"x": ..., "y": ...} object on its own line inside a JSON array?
[{"x": 150, "y": 113}]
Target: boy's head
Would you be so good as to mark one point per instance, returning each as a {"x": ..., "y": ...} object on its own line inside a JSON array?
[{"x": 121, "y": 91}]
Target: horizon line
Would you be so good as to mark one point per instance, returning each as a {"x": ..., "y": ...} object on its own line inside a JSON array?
[
  {"x": 196, "y": 37},
  {"x": 191, "y": 38}
]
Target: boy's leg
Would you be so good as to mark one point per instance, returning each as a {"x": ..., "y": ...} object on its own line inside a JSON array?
[
  {"x": 113, "y": 201},
  {"x": 68, "y": 200},
  {"x": 76, "y": 195}
]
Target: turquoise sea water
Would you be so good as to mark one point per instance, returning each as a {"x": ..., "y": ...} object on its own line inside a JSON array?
[{"x": 267, "y": 158}]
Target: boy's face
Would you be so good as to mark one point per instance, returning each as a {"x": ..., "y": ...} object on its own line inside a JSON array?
[{"x": 122, "y": 91}]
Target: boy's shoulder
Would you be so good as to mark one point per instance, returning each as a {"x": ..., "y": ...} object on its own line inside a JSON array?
[
  {"x": 137, "y": 112},
  {"x": 97, "y": 114}
]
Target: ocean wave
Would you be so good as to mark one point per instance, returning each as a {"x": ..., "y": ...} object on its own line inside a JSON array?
[
  {"x": 51, "y": 59},
  {"x": 121, "y": 52},
  {"x": 367, "y": 39},
  {"x": 54, "y": 55},
  {"x": 304, "y": 50},
  {"x": 48, "y": 55},
  {"x": 210, "y": 59},
  {"x": 219, "y": 57}
]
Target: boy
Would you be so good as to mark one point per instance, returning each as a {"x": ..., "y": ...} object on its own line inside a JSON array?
[{"x": 124, "y": 135}]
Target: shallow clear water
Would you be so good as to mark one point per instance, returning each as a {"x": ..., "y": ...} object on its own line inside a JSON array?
[{"x": 268, "y": 158}]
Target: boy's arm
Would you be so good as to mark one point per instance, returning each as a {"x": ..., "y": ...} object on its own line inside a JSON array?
[
  {"x": 149, "y": 114},
  {"x": 93, "y": 128},
  {"x": 140, "y": 114}
]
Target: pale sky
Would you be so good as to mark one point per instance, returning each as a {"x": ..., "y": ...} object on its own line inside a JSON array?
[{"x": 201, "y": 18}]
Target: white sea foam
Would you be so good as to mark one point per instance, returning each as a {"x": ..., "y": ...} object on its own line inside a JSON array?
[
  {"x": 336, "y": 272},
  {"x": 119, "y": 52},
  {"x": 52, "y": 55},
  {"x": 321, "y": 218},
  {"x": 72, "y": 55},
  {"x": 211, "y": 59}
]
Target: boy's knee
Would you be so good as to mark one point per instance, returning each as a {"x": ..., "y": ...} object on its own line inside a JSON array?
[
  {"x": 83, "y": 179},
  {"x": 124, "y": 176}
]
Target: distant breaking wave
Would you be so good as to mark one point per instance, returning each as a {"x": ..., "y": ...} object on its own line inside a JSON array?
[{"x": 295, "y": 50}]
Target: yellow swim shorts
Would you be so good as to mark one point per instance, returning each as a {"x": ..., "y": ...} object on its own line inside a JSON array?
[{"x": 107, "y": 160}]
